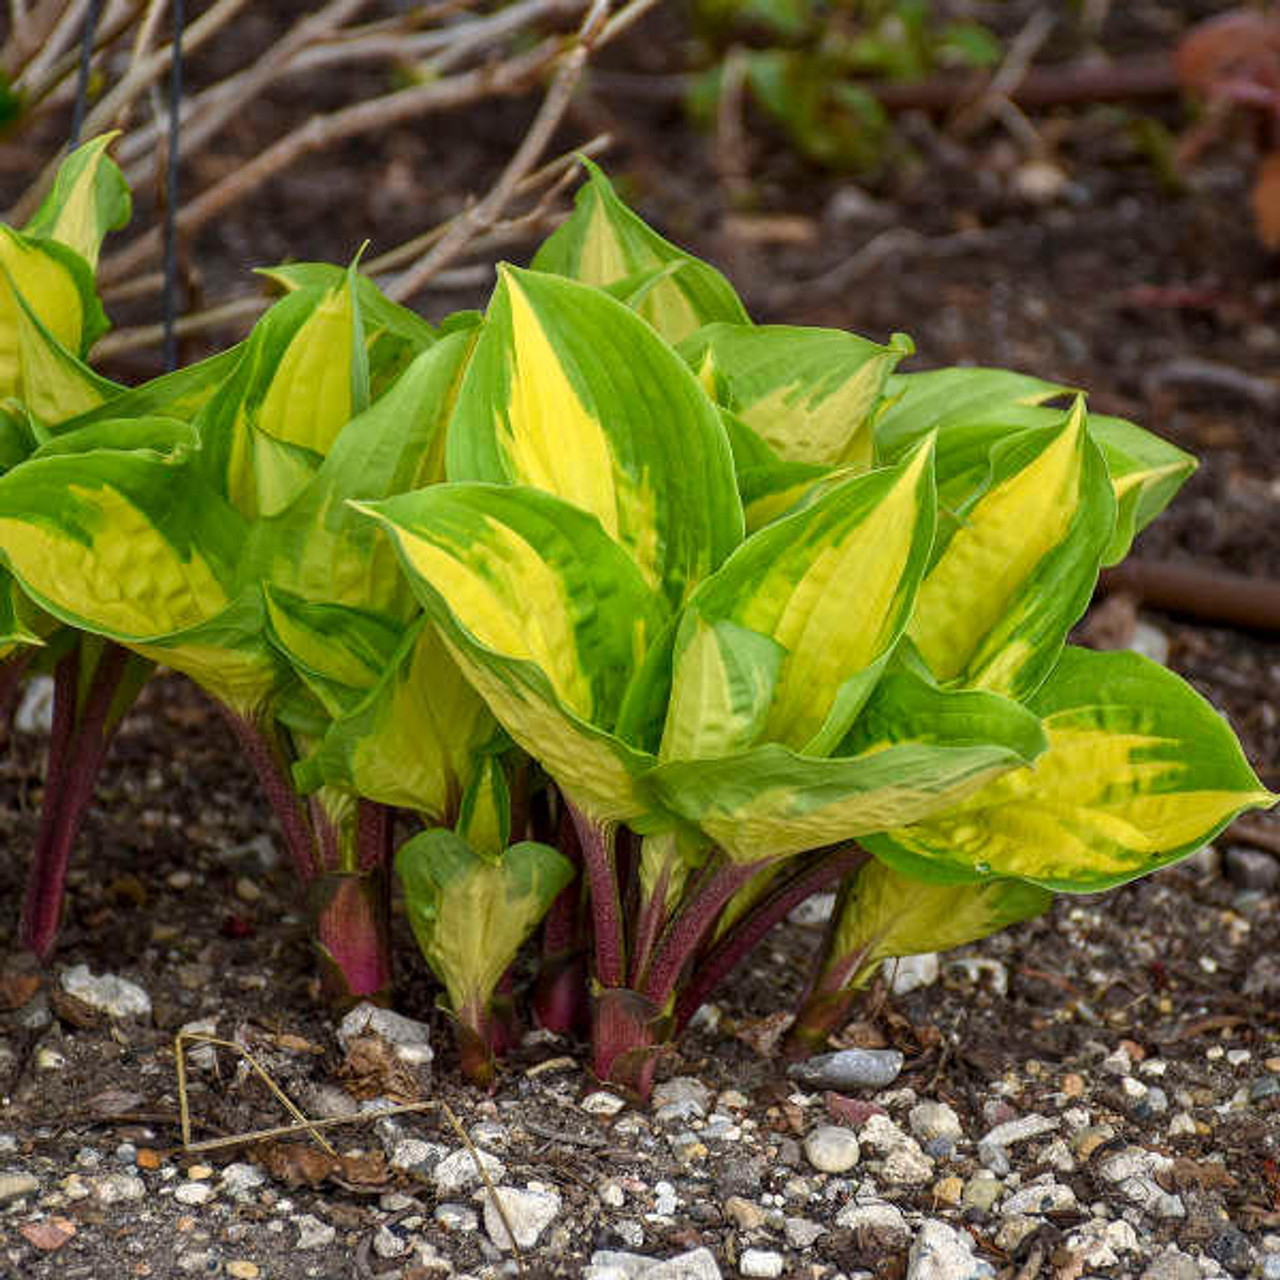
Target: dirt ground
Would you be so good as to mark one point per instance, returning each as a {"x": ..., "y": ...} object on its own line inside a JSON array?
[{"x": 1081, "y": 264}]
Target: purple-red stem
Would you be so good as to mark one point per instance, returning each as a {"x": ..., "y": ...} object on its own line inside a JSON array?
[
  {"x": 652, "y": 914},
  {"x": 285, "y": 803},
  {"x": 597, "y": 841},
  {"x": 737, "y": 944},
  {"x": 77, "y": 748},
  {"x": 691, "y": 926}
]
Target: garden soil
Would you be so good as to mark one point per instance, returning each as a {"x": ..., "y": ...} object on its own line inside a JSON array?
[{"x": 1131, "y": 1040}]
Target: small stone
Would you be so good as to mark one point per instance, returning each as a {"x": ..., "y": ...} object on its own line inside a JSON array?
[
  {"x": 941, "y": 1253},
  {"x": 312, "y": 1232},
  {"x": 1172, "y": 1264},
  {"x": 110, "y": 994},
  {"x": 1073, "y": 1085},
  {"x": 911, "y": 973},
  {"x": 240, "y": 1179},
  {"x": 35, "y": 711},
  {"x": 1014, "y": 1229},
  {"x": 760, "y": 1262},
  {"x": 995, "y": 1158},
  {"x": 814, "y": 910},
  {"x": 687, "y": 1147},
  {"x": 48, "y": 1059},
  {"x": 903, "y": 1159},
  {"x": 1182, "y": 1125},
  {"x": 456, "y": 1217},
  {"x": 1271, "y": 1266},
  {"x": 413, "y": 1155},
  {"x": 831, "y": 1149},
  {"x": 801, "y": 1233},
  {"x": 602, "y": 1103},
  {"x": 948, "y": 1190},
  {"x": 697, "y": 1264},
  {"x": 411, "y": 1039},
  {"x": 194, "y": 1193},
  {"x": 1230, "y": 1247},
  {"x": 1133, "y": 1088},
  {"x": 931, "y": 1120},
  {"x": 1021, "y": 1130},
  {"x": 1264, "y": 1087},
  {"x": 849, "y": 1069},
  {"x": 877, "y": 1225},
  {"x": 117, "y": 1187},
  {"x": 612, "y": 1194},
  {"x": 1040, "y": 1197},
  {"x": 1084, "y": 1142},
  {"x": 665, "y": 1200},
  {"x": 243, "y": 1269},
  {"x": 613, "y": 1264},
  {"x": 200, "y": 1172},
  {"x": 981, "y": 1191},
  {"x": 687, "y": 1097},
  {"x": 743, "y": 1213},
  {"x": 458, "y": 1172},
  {"x": 388, "y": 1244},
  {"x": 529, "y": 1213},
  {"x": 1251, "y": 868},
  {"x": 13, "y": 1186}
]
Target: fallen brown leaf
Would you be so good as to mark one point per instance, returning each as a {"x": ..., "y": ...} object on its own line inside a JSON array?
[
  {"x": 296, "y": 1163},
  {"x": 48, "y": 1234},
  {"x": 372, "y": 1070},
  {"x": 16, "y": 989},
  {"x": 74, "y": 1011},
  {"x": 1205, "y": 1175}
]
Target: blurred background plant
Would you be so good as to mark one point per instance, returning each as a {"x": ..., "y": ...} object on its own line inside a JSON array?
[{"x": 804, "y": 64}]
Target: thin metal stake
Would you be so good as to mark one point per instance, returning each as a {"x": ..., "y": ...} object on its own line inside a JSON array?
[{"x": 170, "y": 295}]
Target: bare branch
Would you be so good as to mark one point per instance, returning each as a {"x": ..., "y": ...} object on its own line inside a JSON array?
[
  {"x": 483, "y": 215},
  {"x": 513, "y": 76}
]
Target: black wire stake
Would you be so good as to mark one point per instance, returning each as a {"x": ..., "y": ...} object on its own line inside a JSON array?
[
  {"x": 82, "y": 80},
  {"x": 170, "y": 295}
]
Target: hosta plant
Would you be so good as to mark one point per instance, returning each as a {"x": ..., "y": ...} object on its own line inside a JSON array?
[{"x": 612, "y": 579}]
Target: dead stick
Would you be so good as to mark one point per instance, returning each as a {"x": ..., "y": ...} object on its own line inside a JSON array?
[{"x": 1210, "y": 594}]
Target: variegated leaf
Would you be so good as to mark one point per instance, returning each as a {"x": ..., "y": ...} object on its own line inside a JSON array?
[
  {"x": 886, "y": 915},
  {"x": 916, "y": 404},
  {"x": 604, "y": 242},
  {"x": 1139, "y": 771},
  {"x": 1015, "y": 575},
  {"x": 571, "y": 393},
  {"x": 89, "y": 198},
  {"x": 810, "y": 394},
  {"x": 546, "y": 615},
  {"x": 915, "y": 749},
  {"x": 471, "y": 915},
  {"x": 412, "y": 739},
  {"x": 832, "y": 587},
  {"x": 323, "y": 550}
]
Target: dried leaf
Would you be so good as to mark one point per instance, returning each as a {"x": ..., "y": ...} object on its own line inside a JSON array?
[
  {"x": 365, "y": 1170},
  {"x": 74, "y": 1011},
  {"x": 372, "y": 1070},
  {"x": 764, "y": 1034},
  {"x": 16, "y": 989},
  {"x": 1265, "y": 199},
  {"x": 296, "y": 1163},
  {"x": 49, "y": 1233},
  {"x": 1205, "y": 1175}
]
